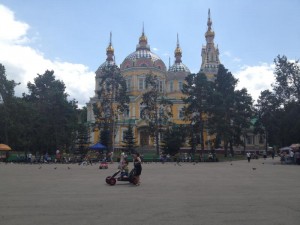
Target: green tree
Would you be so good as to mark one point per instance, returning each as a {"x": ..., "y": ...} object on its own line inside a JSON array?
[
  {"x": 290, "y": 124},
  {"x": 243, "y": 113},
  {"x": 129, "y": 140},
  {"x": 113, "y": 101},
  {"x": 83, "y": 135},
  {"x": 287, "y": 75},
  {"x": 157, "y": 109},
  {"x": 222, "y": 110},
  {"x": 173, "y": 139},
  {"x": 197, "y": 90},
  {"x": 267, "y": 123},
  {"x": 8, "y": 102},
  {"x": 55, "y": 118}
]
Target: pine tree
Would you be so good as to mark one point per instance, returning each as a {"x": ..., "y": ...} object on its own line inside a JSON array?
[
  {"x": 129, "y": 140},
  {"x": 157, "y": 111}
]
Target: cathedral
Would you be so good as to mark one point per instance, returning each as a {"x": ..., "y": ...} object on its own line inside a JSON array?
[{"x": 134, "y": 69}]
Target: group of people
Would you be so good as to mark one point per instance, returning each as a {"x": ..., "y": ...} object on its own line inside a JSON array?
[
  {"x": 290, "y": 157},
  {"x": 137, "y": 163}
]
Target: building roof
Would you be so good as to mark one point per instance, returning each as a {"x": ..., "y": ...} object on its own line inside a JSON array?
[{"x": 176, "y": 67}]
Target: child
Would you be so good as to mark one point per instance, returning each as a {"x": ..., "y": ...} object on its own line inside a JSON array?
[{"x": 125, "y": 169}]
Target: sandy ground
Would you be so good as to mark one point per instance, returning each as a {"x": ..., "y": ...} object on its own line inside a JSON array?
[{"x": 203, "y": 193}]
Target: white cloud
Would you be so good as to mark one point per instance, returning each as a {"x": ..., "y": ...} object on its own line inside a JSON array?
[
  {"x": 236, "y": 59},
  {"x": 23, "y": 63},
  {"x": 11, "y": 31},
  {"x": 226, "y": 53},
  {"x": 256, "y": 78},
  {"x": 155, "y": 49}
]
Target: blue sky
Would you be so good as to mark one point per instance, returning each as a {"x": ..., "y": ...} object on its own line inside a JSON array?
[{"x": 70, "y": 37}]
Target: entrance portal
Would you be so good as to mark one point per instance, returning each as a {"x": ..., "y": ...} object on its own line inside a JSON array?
[{"x": 144, "y": 138}]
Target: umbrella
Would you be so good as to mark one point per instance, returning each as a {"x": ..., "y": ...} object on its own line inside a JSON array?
[
  {"x": 285, "y": 149},
  {"x": 98, "y": 146},
  {"x": 295, "y": 146},
  {"x": 4, "y": 147}
]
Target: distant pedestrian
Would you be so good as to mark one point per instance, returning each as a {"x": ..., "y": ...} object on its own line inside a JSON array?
[
  {"x": 297, "y": 157},
  {"x": 265, "y": 154},
  {"x": 137, "y": 166},
  {"x": 248, "y": 156},
  {"x": 292, "y": 156},
  {"x": 273, "y": 154}
]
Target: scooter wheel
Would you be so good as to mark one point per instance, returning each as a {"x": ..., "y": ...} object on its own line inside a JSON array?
[
  {"x": 107, "y": 180},
  {"x": 112, "y": 181},
  {"x": 134, "y": 180}
]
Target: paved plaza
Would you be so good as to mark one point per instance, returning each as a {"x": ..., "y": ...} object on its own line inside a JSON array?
[{"x": 260, "y": 192}]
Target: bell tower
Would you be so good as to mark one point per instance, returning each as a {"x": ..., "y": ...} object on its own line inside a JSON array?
[{"x": 210, "y": 53}]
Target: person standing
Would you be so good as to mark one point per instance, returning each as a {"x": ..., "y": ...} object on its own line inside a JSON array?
[
  {"x": 273, "y": 154},
  {"x": 248, "y": 156},
  {"x": 137, "y": 166},
  {"x": 292, "y": 156},
  {"x": 297, "y": 157},
  {"x": 265, "y": 154}
]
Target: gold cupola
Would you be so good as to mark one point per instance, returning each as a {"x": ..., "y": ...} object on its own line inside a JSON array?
[
  {"x": 178, "y": 52},
  {"x": 178, "y": 49},
  {"x": 110, "y": 48},
  {"x": 143, "y": 38}
]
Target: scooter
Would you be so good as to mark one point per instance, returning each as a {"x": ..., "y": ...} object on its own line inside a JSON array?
[{"x": 111, "y": 180}]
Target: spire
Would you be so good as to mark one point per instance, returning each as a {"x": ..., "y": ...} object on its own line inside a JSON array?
[
  {"x": 209, "y": 22},
  {"x": 110, "y": 35},
  {"x": 110, "y": 50},
  {"x": 143, "y": 42},
  {"x": 143, "y": 38},
  {"x": 210, "y": 52},
  {"x": 210, "y": 34},
  {"x": 178, "y": 52}
]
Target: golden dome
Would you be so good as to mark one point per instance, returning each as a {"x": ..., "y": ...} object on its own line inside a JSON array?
[
  {"x": 178, "y": 50},
  {"x": 209, "y": 33},
  {"x": 143, "y": 38},
  {"x": 110, "y": 48}
]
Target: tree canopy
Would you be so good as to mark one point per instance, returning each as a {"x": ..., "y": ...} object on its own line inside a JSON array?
[
  {"x": 157, "y": 109},
  {"x": 113, "y": 102}
]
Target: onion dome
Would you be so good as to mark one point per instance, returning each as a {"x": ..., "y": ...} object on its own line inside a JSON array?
[
  {"x": 110, "y": 49},
  {"x": 143, "y": 38},
  {"x": 178, "y": 51},
  {"x": 178, "y": 65},
  {"x": 110, "y": 61},
  {"x": 143, "y": 57}
]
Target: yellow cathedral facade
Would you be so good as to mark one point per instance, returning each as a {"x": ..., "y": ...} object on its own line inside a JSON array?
[{"x": 134, "y": 69}]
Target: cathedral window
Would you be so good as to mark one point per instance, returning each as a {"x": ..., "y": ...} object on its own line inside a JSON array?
[
  {"x": 250, "y": 140},
  {"x": 141, "y": 83},
  {"x": 142, "y": 107},
  {"x": 180, "y": 114},
  {"x": 128, "y": 84},
  {"x": 124, "y": 135},
  {"x": 180, "y": 85},
  {"x": 261, "y": 139},
  {"x": 126, "y": 113},
  {"x": 161, "y": 86},
  {"x": 171, "y": 86}
]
